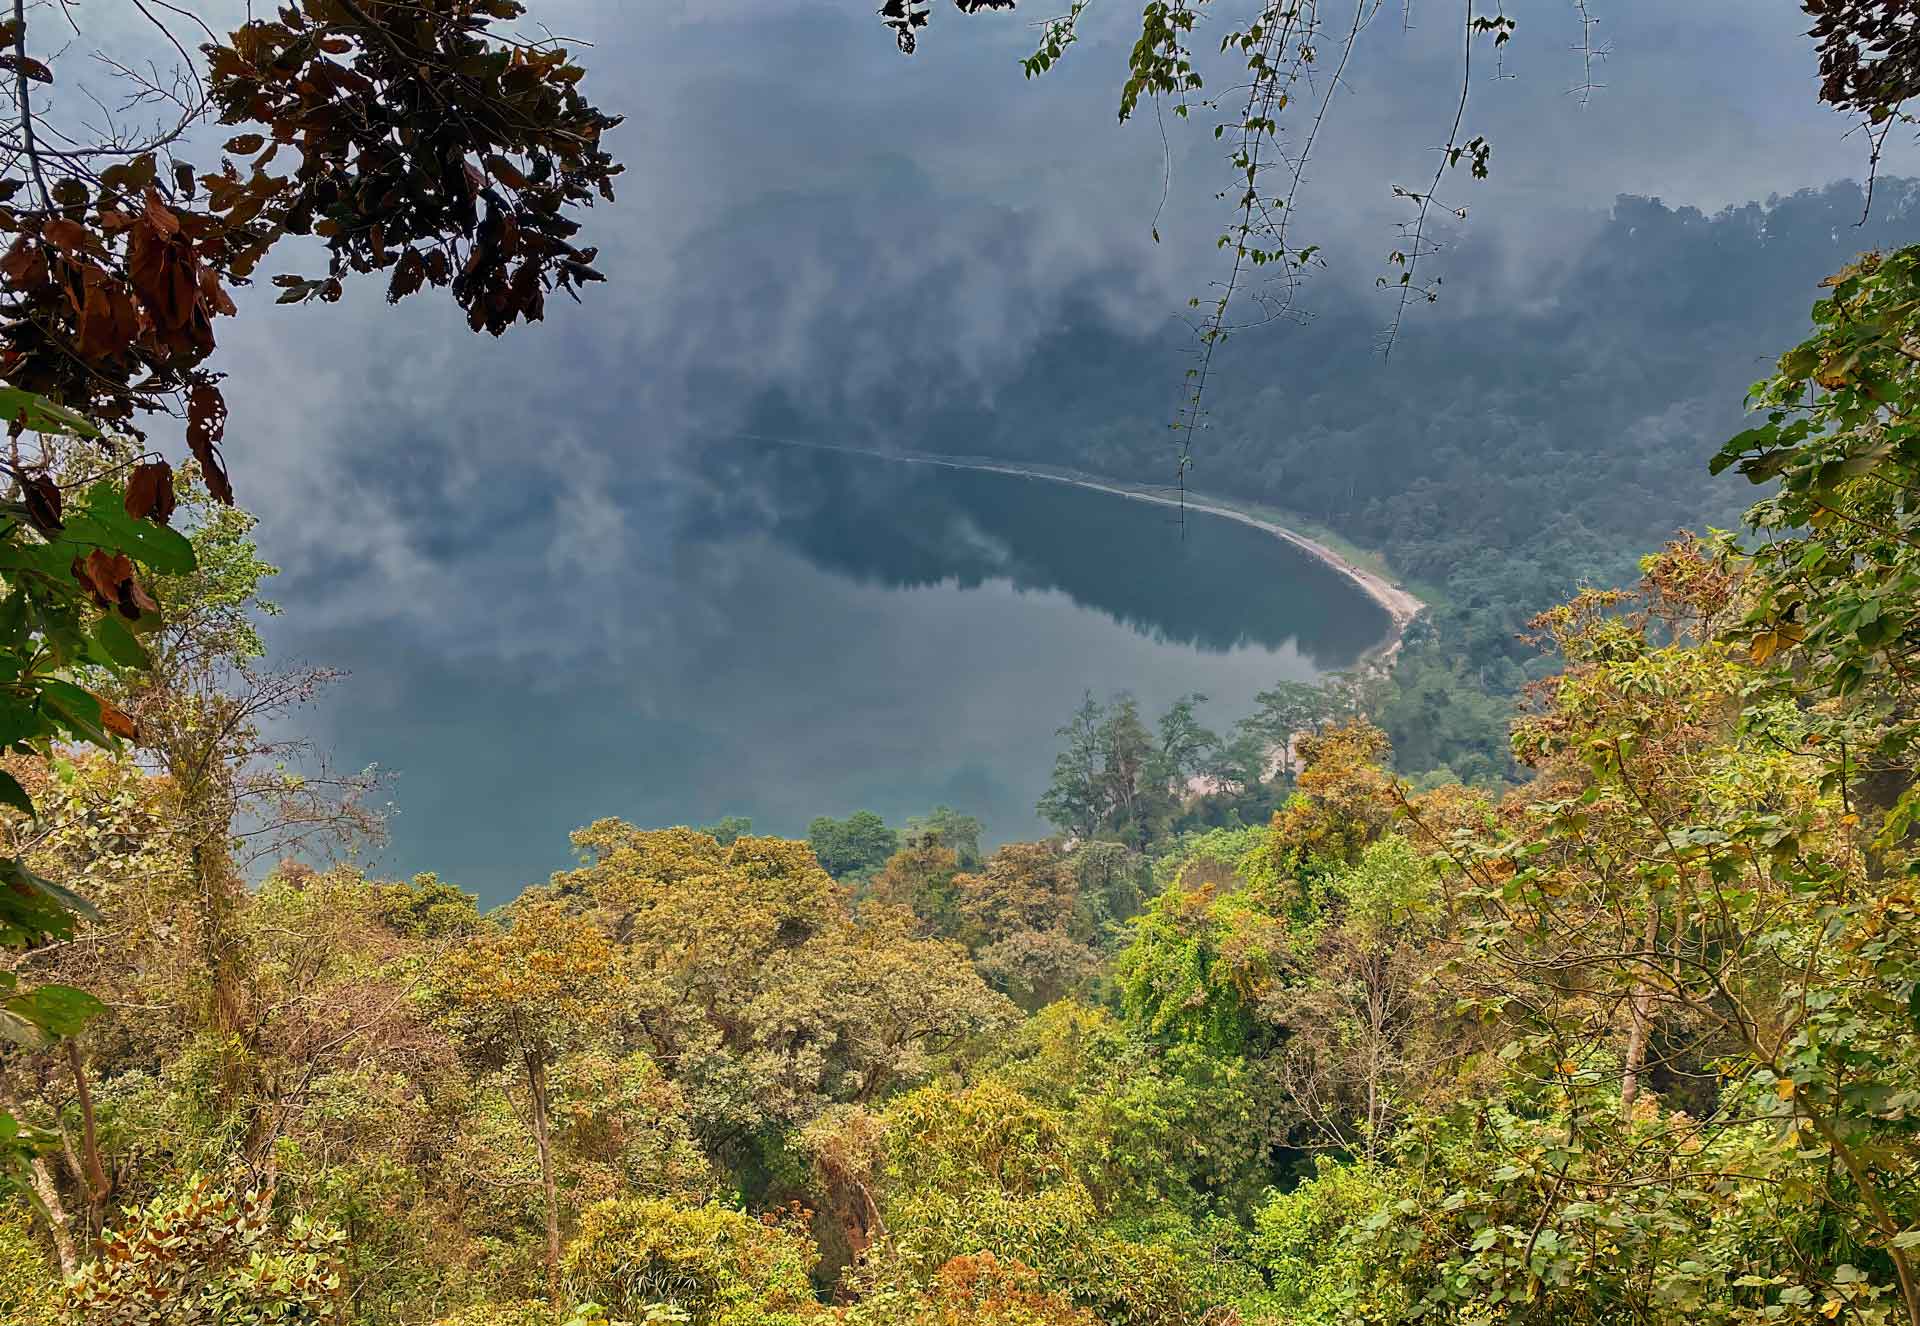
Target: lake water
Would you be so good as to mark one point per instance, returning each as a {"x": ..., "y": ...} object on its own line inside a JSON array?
[{"x": 818, "y": 633}]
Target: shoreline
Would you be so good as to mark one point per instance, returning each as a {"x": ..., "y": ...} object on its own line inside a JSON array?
[{"x": 1400, "y": 605}]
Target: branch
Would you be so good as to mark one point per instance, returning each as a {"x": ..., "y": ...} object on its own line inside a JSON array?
[{"x": 21, "y": 82}]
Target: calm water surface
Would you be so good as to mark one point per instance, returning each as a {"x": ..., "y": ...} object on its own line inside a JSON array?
[{"x": 815, "y": 633}]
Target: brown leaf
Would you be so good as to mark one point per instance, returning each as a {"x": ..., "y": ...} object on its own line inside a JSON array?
[
  {"x": 134, "y": 601},
  {"x": 128, "y": 176},
  {"x": 116, "y": 721},
  {"x": 43, "y": 504},
  {"x": 150, "y": 492},
  {"x": 246, "y": 144},
  {"x": 206, "y": 425},
  {"x": 25, "y": 264},
  {"x": 506, "y": 172},
  {"x": 108, "y": 320},
  {"x": 64, "y": 234},
  {"x": 214, "y": 294},
  {"x": 102, "y": 574},
  {"x": 163, "y": 220},
  {"x": 408, "y": 274},
  {"x": 163, "y": 272},
  {"x": 32, "y": 68}
]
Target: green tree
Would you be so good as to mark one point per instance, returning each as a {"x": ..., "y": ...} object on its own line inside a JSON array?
[
  {"x": 518, "y": 996},
  {"x": 853, "y": 847},
  {"x": 1075, "y": 800},
  {"x": 944, "y": 826},
  {"x": 921, "y": 878},
  {"x": 1024, "y": 921},
  {"x": 718, "y": 1267},
  {"x": 728, "y": 828},
  {"x": 1290, "y": 709},
  {"x": 752, "y": 976},
  {"x": 1116, "y": 778}
]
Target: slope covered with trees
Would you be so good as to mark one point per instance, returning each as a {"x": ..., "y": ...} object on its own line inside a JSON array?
[
  {"x": 1516, "y": 446},
  {"x": 1631, "y": 1042}
]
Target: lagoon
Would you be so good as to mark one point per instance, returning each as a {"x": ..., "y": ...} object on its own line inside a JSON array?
[{"x": 808, "y": 632}]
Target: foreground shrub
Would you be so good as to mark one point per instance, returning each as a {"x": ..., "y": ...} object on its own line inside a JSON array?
[
  {"x": 981, "y": 1290},
  {"x": 208, "y": 1258},
  {"x": 720, "y": 1267}
]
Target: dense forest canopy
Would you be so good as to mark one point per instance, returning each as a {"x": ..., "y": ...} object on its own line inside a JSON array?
[
  {"x": 1632, "y": 1041},
  {"x": 1288, "y": 1023}
]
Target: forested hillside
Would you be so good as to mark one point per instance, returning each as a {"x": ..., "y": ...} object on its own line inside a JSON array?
[
  {"x": 1633, "y": 1042},
  {"x": 1565, "y": 979},
  {"x": 1516, "y": 444}
]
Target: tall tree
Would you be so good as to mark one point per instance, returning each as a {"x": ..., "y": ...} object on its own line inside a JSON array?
[
  {"x": 519, "y": 995},
  {"x": 1074, "y": 800},
  {"x": 947, "y": 827},
  {"x": 856, "y": 845},
  {"x": 433, "y": 144}
]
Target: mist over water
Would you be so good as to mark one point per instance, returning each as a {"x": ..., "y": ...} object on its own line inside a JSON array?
[{"x": 822, "y": 633}]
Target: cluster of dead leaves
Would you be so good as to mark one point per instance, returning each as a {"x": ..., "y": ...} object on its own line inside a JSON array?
[
  {"x": 1869, "y": 53},
  {"x": 427, "y": 149},
  {"x": 117, "y": 314},
  {"x": 110, "y": 578},
  {"x": 409, "y": 136}
]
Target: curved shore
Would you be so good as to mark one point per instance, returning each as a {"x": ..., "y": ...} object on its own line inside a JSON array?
[{"x": 1400, "y": 606}]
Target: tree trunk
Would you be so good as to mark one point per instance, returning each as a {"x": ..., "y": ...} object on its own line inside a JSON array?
[
  {"x": 542, "y": 1141},
  {"x": 213, "y": 881},
  {"x": 57, "y": 1224},
  {"x": 93, "y": 1173},
  {"x": 59, "y": 1228},
  {"x": 1640, "y": 1010}
]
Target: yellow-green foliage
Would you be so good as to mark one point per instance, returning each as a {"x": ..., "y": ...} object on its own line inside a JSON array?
[
  {"x": 981, "y": 1290},
  {"x": 722, "y": 1267},
  {"x": 512, "y": 1312},
  {"x": 29, "y": 1286},
  {"x": 990, "y": 1170},
  {"x": 1318, "y": 1268},
  {"x": 623, "y": 1131}
]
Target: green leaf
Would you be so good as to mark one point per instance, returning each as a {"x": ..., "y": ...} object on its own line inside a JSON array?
[
  {"x": 106, "y": 524},
  {"x": 58, "y": 1010},
  {"x": 29, "y": 914},
  {"x": 19, "y": 721},
  {"x": 49, "y": 559},
  {"x": 78, "y": 711},
  {"x": 12, "y": 794},
  {"x": 116, "y": 642},
  {"x": 43, "y": 415},
  {"x": 24, "y": 880}
]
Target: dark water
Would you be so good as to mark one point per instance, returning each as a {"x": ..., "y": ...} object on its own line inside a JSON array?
[{"x": 816, "y": 633}]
